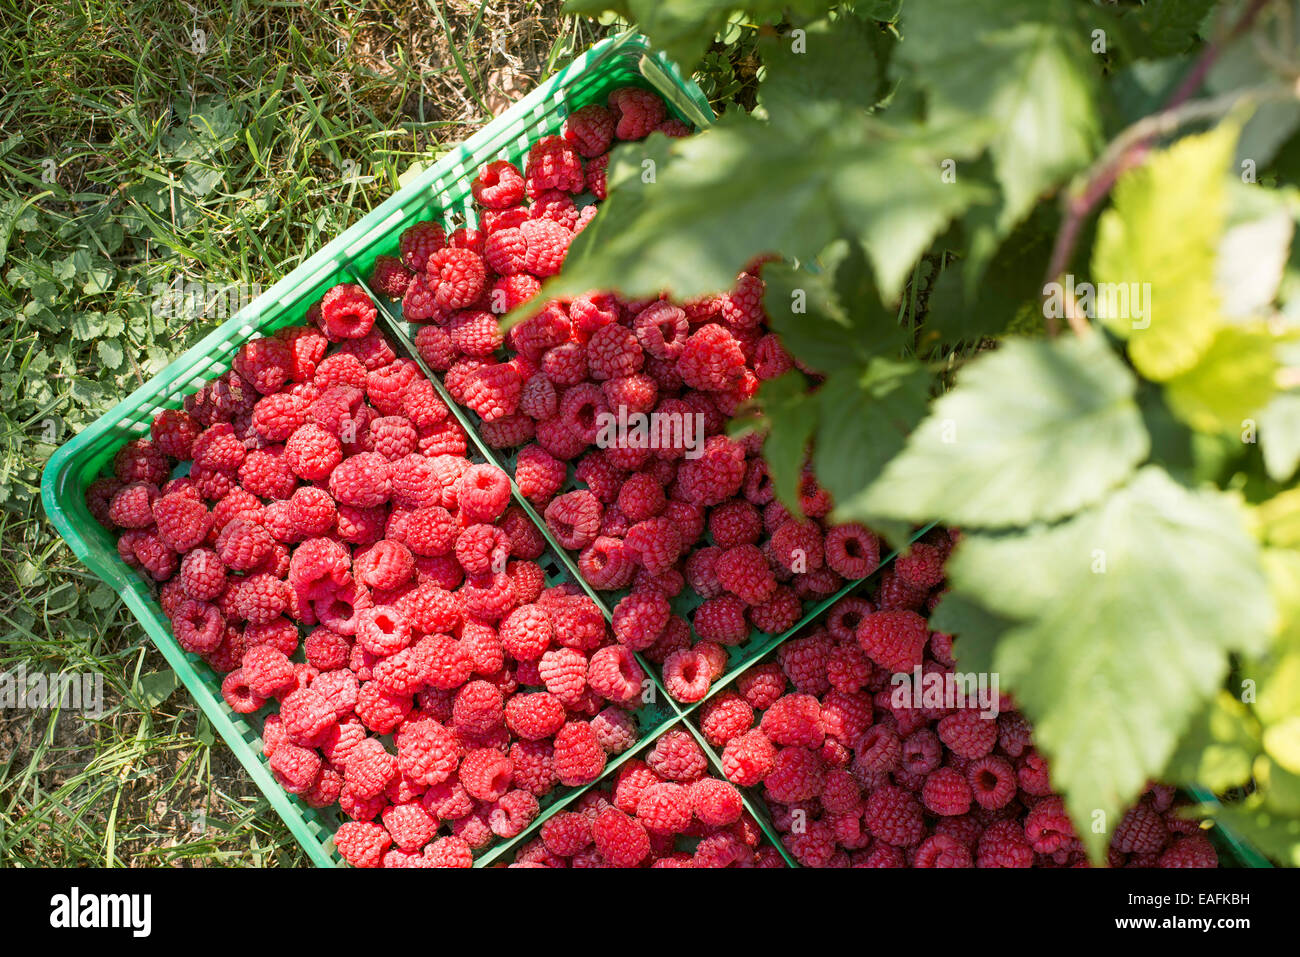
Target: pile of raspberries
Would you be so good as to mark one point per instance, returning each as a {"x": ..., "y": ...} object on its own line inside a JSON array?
[
  {"x": 336, "y": 555},
  {"x": 329, "y": 496},
  {"x": 662, "y": 810},
  {"x": 854, "y": 778},
  {"x": 642, "y": 516}
]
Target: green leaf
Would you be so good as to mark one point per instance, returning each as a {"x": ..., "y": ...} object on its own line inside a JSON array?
[
  {"x": 110, "y": 352},
  {"x": 1034, "y": 430},
  {"x": 1160, "y": 238},
  {"x": 1242, "y": 65},
  {"x": 1219, "y": 747},
  {"x": 1231, "y": 381},
  {"x": 789, "y": 415},
  {"x": 975, "y": 629},
  {"x": 1252, "y": 257},
  {"x": 1277, "y": 835},
  {"x": 1167, "y": 27},
  {"x": 688, "y": 214},
  {"x": 830, "y": 62},
  {"x": 683, "y": 29},
  {"x": 157, "y": 686},
  {"x": 865, "y": 416},
  {"x": 1023, "y": 64},
  {"x": 1279, "y": 436},
  {"x": 1128, "y": 612},
  {"x": 831, "y": 319}
]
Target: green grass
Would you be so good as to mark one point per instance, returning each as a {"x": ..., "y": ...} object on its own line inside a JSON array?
[{"x": 136, "y": 153}]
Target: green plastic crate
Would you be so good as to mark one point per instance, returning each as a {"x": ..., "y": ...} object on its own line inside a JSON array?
[{"x": 443, "y": 188}]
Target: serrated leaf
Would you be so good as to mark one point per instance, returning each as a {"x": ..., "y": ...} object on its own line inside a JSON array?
[
  {"x": 1034, "y": 430},
  {"x": 1219, "y": 747},
  {"x": 688, "y": 214},
  {"x": 803, "y": 68},
  {"x": 1252, "y": 256},
  {"x": 1276, "y": 835},
  {"x": 110, "y": 352},
  {"x": 975, "y": 629},
  {"x": 683, "y": 29},
  {"x": 1161, "y": 237},
  {"x": 865, "y": 416},
  {"x": 1279, "y": 436},
  {"x": 1128, "y": 612},
  {"x": 831, "y": 319},
  {"x": 789, "y": 412},
  {"x": 1024, "y": 65},
  {"x": 157, "y": 686},
  {"x": 1232, "y": 380}
]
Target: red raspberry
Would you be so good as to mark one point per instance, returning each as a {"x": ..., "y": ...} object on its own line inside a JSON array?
[
  {"x": 386, "y": 387},
  {"x": 677, "y": 757},
  {"x": 267, "y": 671},
  {"x": 1003, "y": 844},
  {"x": 1048, "y": 827},
  {"x": 307, "y": 716},
  {"x": 946, "y": 792},
  {"x": 893, "y": 816},
  {"x": 347, "y": 312},
  {"x": 566, "y": 833},
  {"x": 564, "y": 673},
  {"x": 637, "y": 112},
  {"x": 794, "y": 720},
  {"x": 482, "y": 548},
  {"x": 742, "y": 307},
  {"x": 967, "y": 734},
  {"x": 852, "y": 551},
  {"x": 392, "y": 436},
  {"x": 721, "y": 620},
  {"x": 613, "y": 352},
  {"x": 264, "y": 363},
  {"x": 512, "y": 813},
  {"x": 894, "y": 639},
  {"x": 389, "y": 277},
  {"x": 526, "y": 633},
  {"x": 590, "y": 130},
  {"x": 595, "y": 175},
  {"x": 1193, "y": 851},
  {"x": 579, "y": 758},
  {"x": 243, "y": 544},
  {"x": 921, "y": 567},
  {"x": 479, "y": 708},
  {"x": 992, "y": 781},
  {"x": 266, "y": 473},
  {"x": 743, "y": 571},
  {"x": 173, "y": 432},
  {"x": 236, "y": 693},
  {"x": 369, "y": 769},
  {"x": 1141, "y": 831},
  {"x": 435, "y": 347},
  {"x": 298, "y": 769},
  {"x": 498, "y": 185},
  {"x": 410, "y": 825},
  {"x": 711, "y": 360},
  {"x": 762, "y": 685},
  {"x": 574, "y": 518},
  {"x": 486, "y": 773},
  {"x": 665, "y": 808},
  {"x": 716, "y": 803},
  {"x": 622, "y": 841},
  {"x": 733, "y": 523},
  {"x": 361, "y": 481},
  {"x": 896, "y": 594},
  {"x": 546, "y": 243},
  {"x": 538, "y": 474},
  {"x": 687, "y": 675},
  {"x": 383, "y": 630},
  {"x": 483, "y": 493},
  {"x": 198, "y": 626},
  {"x": 534, "y": 716},
  {"x": 940, "y": 850},
  {"x": 640, "y": 617},
  {"x": 183, "y": 522},
  {"x": 203, "y": 576},
  {"x": 218, "y": 448},
  {"x": 142, "y": 461},
  {"x": 457, "y": 278},
  {"x": 419, "y": 303},
  {"x": 552, "y": 164},
  {"x": 715, "y": 476},
  {"x": 607, "y": 564},
  {"x": 614, "y": 674},
  {"x": 449, "y": 852},
  {"x": 418, "y": 242},
  {"x": 493, "y": 392},
  {"x": 656, "y": 543},
  {"x": 796, "y": 775},
  {"x": 276, "y": 417},
  {"x": 379, "y": 709},
  {"x": 312, "y": 452},
  {"x": 490, "y": 597},
  {"x": 362, "y": 843}
]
